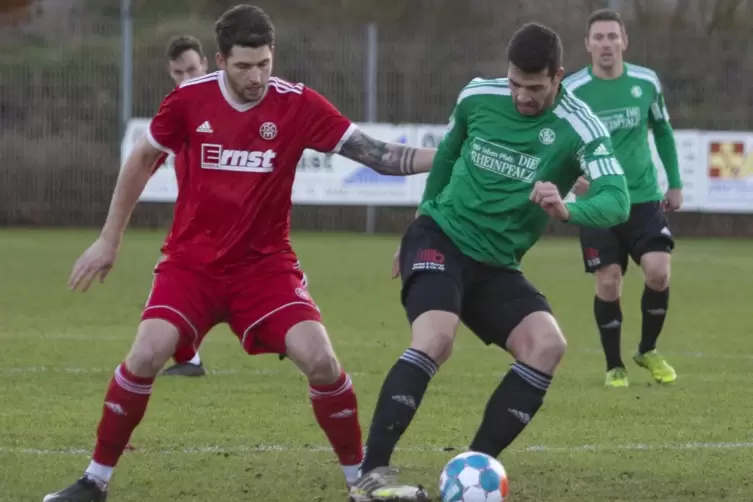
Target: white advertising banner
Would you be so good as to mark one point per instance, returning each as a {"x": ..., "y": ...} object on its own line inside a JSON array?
[
  {"x": 335, "y": 180},
  {"x": 162, "y": 186},
  {"x": 688, "y": 154},
  {"x": 716, "y": 170}
]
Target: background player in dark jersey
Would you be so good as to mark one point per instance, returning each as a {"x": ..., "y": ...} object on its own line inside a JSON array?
[
  {"x": 629, "y": 100},
  {"x": 513, "y": 148},
  {"x": 228, "y": 256},
  {"x": 185, "y": 60}
]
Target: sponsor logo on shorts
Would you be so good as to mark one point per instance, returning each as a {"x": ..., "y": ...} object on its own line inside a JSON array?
[
  {"x": 592, "y": 257},
  {"x": 429, "y": 259},
  {"x": 221, "y": 159}
]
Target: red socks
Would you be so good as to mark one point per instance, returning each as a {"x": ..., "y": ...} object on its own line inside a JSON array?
[
  {"x": 125, "y": 405},
  {"x": 336, "y": 410}
]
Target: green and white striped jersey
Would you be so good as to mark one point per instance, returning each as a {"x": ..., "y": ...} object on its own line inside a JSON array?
[
  {"x": 628, "y": 106},
  {"x": 479, "y": 187}
]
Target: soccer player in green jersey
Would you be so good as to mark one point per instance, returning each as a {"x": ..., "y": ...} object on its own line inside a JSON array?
[
  {"x": 514, "y": 146},
  {"x": 629, "y": 100}
]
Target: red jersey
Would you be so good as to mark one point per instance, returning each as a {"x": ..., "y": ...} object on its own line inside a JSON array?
[{"x": 236, "y": 178}]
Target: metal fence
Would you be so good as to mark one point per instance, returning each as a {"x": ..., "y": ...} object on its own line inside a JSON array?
[{"x": 62, "y": 94}]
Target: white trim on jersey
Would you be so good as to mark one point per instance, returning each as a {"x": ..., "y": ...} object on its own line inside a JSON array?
[
  {"x": 577, "y": 79},
  {"x": 283, "y": 86},
  {"x": 643, "y": 73},
  {"x": 348, "y": 133},
  {"x": 581, "y": 118},
  {"x": 497, "y": 89},
  {"x": 603, "y": 167},
  {"x": 209, "y": 77},
  {"x": 241, "y": 107},
  {"x": 156, "y": 144}
]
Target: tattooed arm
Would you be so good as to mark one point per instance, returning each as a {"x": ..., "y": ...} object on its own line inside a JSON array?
[{"x": 392, "y": 159}]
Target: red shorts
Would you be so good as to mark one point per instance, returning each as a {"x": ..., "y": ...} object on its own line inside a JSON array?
[{"x": 260, "y": 303}]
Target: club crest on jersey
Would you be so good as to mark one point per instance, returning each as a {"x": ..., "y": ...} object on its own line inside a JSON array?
[
  {"x": 268, "y": 131},
  {"x": 636, "y": 91},
  {"x": 547, "y": 136},
  {"x": 221, "y": 159}
]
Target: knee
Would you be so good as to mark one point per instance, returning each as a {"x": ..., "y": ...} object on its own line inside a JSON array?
[
  {"x": 609, "y": 283},
  {"x": 657, "y": 275},
  {"x": 434, "y": 335},
  {"x": 538, "y": 342},
  {"x": 308, "y": 346},
  {"x": 321, "y": 368},
  {"x": 550, "y": 348},
  {"x": 156, "y": 341}
]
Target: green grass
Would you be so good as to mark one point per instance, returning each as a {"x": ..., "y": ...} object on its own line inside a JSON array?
[{"x": 691, "y": 441}]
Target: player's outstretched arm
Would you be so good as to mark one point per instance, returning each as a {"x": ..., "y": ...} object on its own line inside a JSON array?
[
  {"x": 99, "y": 258},
  {"x": 133, "y": 178},
  {"x": 392, "y": 159}
]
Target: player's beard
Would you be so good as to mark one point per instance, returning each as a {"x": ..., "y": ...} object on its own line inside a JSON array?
[
  {"x": 529, "y": 109},
  {"x": 535, "y": 106},
  {"x": 250, "y": 93},
  {"x": 254, "y": 93}
]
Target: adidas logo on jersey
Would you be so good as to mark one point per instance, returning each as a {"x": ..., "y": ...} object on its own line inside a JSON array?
[
  {"x": 221, "y": 159},
  {"x": 205, "y": 128},
  {"x": 601, "y": 150}
]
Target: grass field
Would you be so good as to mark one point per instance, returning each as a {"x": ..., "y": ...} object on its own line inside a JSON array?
[{"x": 246, "y": 433}]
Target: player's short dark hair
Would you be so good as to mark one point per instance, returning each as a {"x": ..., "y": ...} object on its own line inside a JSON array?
[
  {"x": 182, "y": 43},
  {"x": 535, "y": 48},
  {"x": 243, "y": 25},
  {"x": 603, "y": 15}
]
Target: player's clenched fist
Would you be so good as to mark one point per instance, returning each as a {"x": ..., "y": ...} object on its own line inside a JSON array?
[
  {"x": 95, "y": 262},
  {"x": 547, "y": 195},
  {"x": 581, "y": 186}
]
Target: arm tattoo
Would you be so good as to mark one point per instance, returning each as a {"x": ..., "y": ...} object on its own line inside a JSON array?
[{"x": 384, "y": 158}]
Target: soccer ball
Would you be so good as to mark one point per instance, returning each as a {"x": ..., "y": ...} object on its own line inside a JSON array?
[{"x": 473, "y": 477}]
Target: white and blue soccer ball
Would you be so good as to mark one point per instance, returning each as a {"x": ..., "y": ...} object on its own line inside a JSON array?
[{"x": 473, "y": 477}]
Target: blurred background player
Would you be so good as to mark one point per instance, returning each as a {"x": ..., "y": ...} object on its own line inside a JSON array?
[
  {"x": 629, "y": 99},
  {"x": 228, "y": 256},
  {"x": 513, "y": 146},
  {"x": 185, "y": 60}
]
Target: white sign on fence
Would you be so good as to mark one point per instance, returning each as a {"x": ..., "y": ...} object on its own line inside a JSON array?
[
  {"x": 727, "y": 181},
  {"x": 346, "y": 182},
  {"x": 716, "y": 170}
]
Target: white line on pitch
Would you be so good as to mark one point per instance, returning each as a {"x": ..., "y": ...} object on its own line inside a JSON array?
[
  {"x": 351, "y": 344},
  {"x": 28, "y": 370},
  {"x": 693, "y": 446}
]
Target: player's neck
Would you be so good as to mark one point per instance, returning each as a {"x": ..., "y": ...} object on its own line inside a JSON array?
[{"x": 608, "y": 73}]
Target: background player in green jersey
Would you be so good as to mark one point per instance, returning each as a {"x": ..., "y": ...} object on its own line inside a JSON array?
[
  {"x": 629, "y": 100},
  {"x": 513, "y": 147}
]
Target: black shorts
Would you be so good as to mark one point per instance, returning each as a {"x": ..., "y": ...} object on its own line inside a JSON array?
[
  {"x": 647, "y": 230},
  {"x": 491, "y": 301}
]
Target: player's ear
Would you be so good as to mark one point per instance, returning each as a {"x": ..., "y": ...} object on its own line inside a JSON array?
[
  {"x": 205, "y": 64},
  {"x": 559, "y": 75},
  {"x": 219, "y": 60},
  {"x": 624, "y": 40}
]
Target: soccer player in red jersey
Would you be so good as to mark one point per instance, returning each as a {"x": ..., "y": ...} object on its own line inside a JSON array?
[
  {"x": 228, "y": 257},
  {"x": 185, "y": 60}
]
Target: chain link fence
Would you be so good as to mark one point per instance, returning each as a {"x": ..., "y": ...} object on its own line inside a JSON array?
[{"x": 60, "y": 79}]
